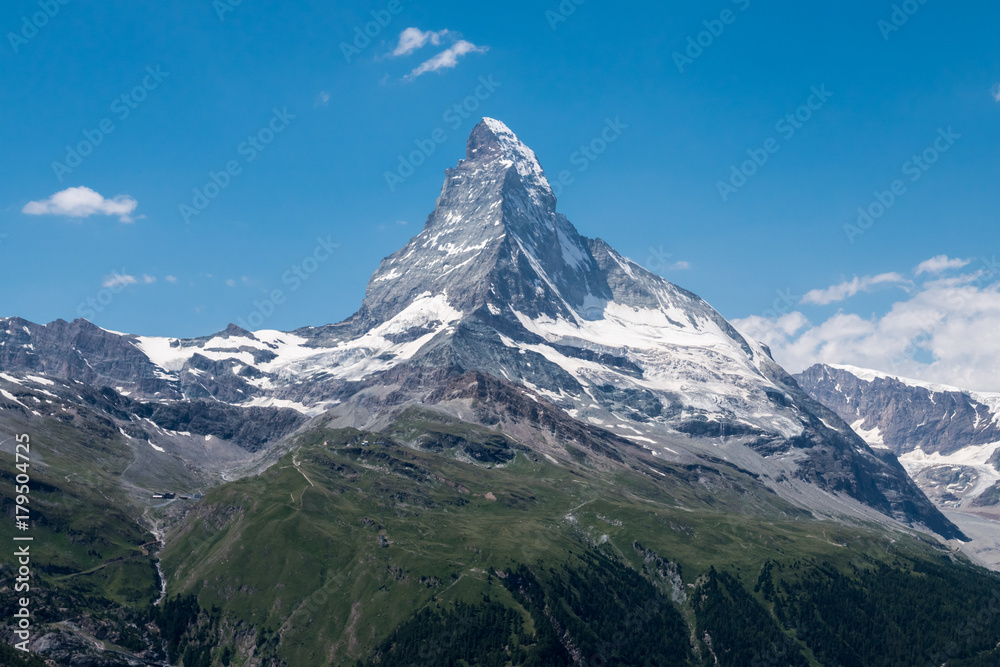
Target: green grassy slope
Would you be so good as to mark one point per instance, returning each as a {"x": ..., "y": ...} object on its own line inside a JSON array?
[
  {"x": 92, "y": 555},
  {"x": 357, "y": 548},
  {"x": 90, "y": 540}
]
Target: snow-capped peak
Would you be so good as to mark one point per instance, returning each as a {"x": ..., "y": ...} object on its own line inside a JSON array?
[
  {"x": 494, "y": 140},
  {"x": 869, "y": 375}
]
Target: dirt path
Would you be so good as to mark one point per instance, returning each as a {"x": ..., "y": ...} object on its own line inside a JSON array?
[
  {"x": 352, "y": 638},
  {"x": 296, "y": 462},
  {"x": 121, "y": 559}
]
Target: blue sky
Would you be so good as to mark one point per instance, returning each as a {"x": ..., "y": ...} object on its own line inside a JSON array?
[{"x": 199, "y": 79}]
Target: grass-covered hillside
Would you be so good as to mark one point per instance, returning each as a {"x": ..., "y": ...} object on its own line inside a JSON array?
[{"x": 437, "y": 542}]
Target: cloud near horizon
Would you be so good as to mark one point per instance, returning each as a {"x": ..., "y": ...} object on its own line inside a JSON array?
[
  {"x": 943, "y": 332},
  {"x": 939, "y": 264},
  {"x": 849, "y": 288},
  {"x": 82, "y": 202}
]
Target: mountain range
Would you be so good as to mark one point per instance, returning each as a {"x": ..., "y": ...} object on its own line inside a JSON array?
[
  {"x": 946, "y": 437},
  {"x": 510, "y": 393}
]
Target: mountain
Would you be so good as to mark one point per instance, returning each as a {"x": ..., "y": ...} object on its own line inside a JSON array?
[
  {"x": 501, "y": 284},
  {"x": 523, "y": 449},
  {"x": 947, "y": 438}
]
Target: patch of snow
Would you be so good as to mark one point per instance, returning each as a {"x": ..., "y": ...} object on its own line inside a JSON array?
[
  {"x": 161, "y": 353},
  {"x": 374, "y": 351},
  {"x": 11, "y": 396},
  {"x": 873, "y": 437}
]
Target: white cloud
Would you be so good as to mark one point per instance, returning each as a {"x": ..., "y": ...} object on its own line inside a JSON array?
[
  {"x": 446, "y": 59},
  {"x": 323, "y": 99},
  {"x": 122, "y": 279},
  {"x": 412, "y": 39},
  {"x": 171, "y": 279},
  {"x": 231, "y": 283},
  {"x": 939, "y": 264},
  {"x": 847, "y": 289},
  {"x": 82, "y": 202},
  {"x": 996, "y": 93},
  {"x": 680, "y": 266},
  {"x": 944, "y": 332},
  {"x": 119, "y": 280}
]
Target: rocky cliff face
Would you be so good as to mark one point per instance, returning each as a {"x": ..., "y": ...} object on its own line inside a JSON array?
[
  {"x": 905, "y": 415},
  {"x": 499, "y": 284},
  {"x": 948, "y": 438}
]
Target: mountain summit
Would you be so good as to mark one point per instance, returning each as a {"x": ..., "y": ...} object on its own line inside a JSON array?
[
  {"x": 494, "y": 239},
  {"x": 500, "y": 312}
]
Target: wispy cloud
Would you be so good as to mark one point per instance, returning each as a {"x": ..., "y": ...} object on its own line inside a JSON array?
[
  {"x": 171, "y": 279},
  {"x": 996, "y": 92},
  {"x": 446, "y": 59},
  {"x": 119, "y": 280},
  {"x": 939, "y": 264},
  {"x": 122, "y": 279},
  {"x": 847, "y": 289},
  {"x": 943, "y": 331},
  {"x": 323, "y": 99},
  {"x": 412, "y": 39},
  {"x": 82, "y": 202}
]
